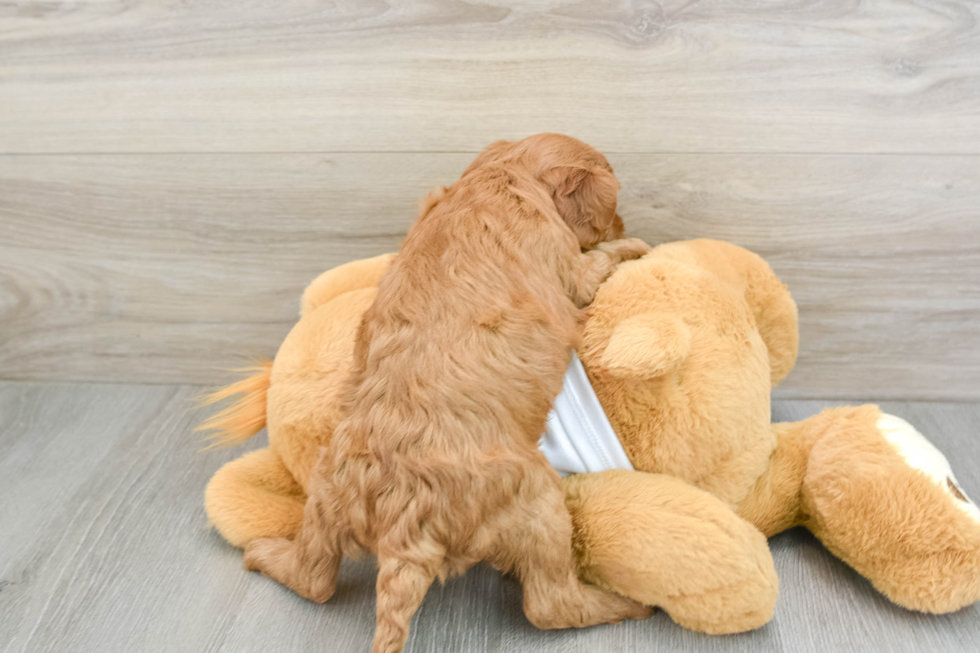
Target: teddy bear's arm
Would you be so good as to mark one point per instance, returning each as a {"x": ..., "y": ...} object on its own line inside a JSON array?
[{"x": 664, "y": 543}]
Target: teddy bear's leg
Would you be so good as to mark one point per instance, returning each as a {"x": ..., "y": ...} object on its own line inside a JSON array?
[
  {"x": 881, "y": 498},
  {"x": 773, "y": 505},
  {"x": 254, "y": 496},
  {"x": 664, "y": 543}
]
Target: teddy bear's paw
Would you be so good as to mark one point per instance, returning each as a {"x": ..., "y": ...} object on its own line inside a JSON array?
[{"x": 922, "y": 455}]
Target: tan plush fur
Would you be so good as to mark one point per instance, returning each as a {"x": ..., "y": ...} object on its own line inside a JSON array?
[
  {"x": 682, "y": 348},
  {"x": 434, "y": 465},
  {"x": 244, "y": 418},
  {"x": 702, "y": 411},
  {"x": 889, "y": 521},
  {"x": 702, "y": 563}
]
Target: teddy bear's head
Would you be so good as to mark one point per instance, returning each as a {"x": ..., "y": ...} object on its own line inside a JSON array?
[{"x": 691, "y": 339}]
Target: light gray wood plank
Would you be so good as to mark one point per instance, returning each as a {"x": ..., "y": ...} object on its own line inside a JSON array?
[
  {"x": 160, "y": 76},
  {"x": 104, "y": 547},
  {"x": 104, "y": 542},
  {"x": 171, "y": 268}
]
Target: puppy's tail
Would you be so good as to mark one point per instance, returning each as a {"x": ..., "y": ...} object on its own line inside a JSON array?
[{"x": 244, "y": 418}]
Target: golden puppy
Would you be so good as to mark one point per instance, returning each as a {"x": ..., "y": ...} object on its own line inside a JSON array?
[{"x": 436, "y": 466}]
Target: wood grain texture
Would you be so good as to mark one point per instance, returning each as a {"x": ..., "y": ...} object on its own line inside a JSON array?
[
  {"x": 171, "y": 268},
  {"x": 104, "y": 547},
  {"x": 445, "y": 75}
]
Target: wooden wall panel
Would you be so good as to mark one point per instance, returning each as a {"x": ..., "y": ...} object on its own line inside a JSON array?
[
  {"x": 673, "y": 76},
  {"x": 168, "y": 268},
  {"x": 172, "y": 174}
]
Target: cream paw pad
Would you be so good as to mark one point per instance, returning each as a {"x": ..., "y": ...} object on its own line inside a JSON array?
[{"x": 921, "y": 454}]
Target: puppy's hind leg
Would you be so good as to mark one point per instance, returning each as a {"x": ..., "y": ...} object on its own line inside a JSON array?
[
  {"x": 540, "y": 550},
  {"x": 307, "y": 564}
]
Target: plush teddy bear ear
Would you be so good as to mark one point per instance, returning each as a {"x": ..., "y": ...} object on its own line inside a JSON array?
[{"x": 647, "y": 345}]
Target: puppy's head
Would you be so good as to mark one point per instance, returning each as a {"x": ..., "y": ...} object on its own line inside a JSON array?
[{"x": 578, "y": 178}]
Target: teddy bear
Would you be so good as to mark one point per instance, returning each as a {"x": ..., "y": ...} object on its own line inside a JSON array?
[{"x": 672, "y": 507}]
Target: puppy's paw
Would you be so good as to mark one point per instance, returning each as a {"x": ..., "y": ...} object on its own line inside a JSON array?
[
  {"x": 626, "y": 608},
  {"x": 280, "y": 559},
  {"x": 611, "y": 608},
  {"x": 266, "y": 554},
  {"x": 626, "y": 249},
  {"x": 638, "y": 611}
]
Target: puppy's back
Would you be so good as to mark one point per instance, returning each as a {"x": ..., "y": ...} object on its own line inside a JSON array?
[{"x": 470, "y": 330}]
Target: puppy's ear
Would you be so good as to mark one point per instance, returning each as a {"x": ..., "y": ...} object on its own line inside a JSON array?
[
  {"x": 435, "y": 196},
  {"x": 586, "y": 201},
  {"x": 495, "y": 151}
]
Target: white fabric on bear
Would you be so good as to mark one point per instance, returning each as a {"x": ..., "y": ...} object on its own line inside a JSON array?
[
  {"x": 578, "y": 437},
  {"x": 921, "y": 454}
]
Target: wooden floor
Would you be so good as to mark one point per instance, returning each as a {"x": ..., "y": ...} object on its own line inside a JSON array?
[{"x": 105, "y": 547}]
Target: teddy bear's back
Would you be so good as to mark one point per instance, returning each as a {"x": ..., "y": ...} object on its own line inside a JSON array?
[
  {"x": 675, "y": 355},
  {"x": 310, "y": 369}
]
